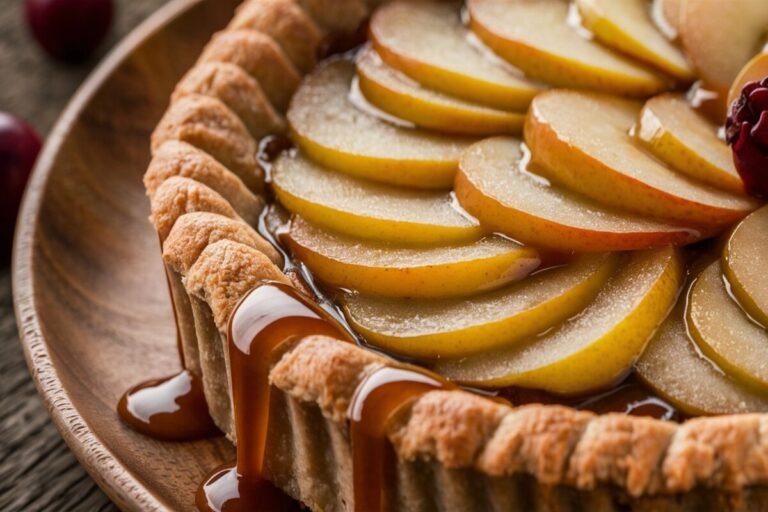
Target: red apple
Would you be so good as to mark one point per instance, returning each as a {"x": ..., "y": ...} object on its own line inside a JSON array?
[{"x": 19, "y": 146}]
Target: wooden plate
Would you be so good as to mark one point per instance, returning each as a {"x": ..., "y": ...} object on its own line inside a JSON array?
[{"x": 90, "y": 293}]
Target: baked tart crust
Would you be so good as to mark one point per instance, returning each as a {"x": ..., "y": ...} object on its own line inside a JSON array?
[{"x": 455, "y": 450}]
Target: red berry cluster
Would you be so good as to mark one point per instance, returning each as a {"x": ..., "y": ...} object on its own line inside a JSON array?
[{"x": 747, "y": 133}]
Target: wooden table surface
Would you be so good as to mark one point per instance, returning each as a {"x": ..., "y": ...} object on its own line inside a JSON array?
[{"x": 37, "y": 471}]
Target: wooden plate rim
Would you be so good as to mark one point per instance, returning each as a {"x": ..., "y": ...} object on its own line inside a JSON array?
[{"x": 127, "y": 491}]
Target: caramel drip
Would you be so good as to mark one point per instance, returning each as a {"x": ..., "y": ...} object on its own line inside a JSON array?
[
  {"x": 632, "y": 399},
  {"x": 179, "y": 341},
  {"x": 226, "y": 490},
  {"x": 170, "y": 409},
  {"x": 267, "y": 319},
  {"x": 343, "y": 44},
  {"x": 376, "y": 402}
]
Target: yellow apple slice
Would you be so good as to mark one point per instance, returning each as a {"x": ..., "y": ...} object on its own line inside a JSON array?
[
  {"x": 674, "y": 369},
  {"x": 425, "y": 272},
  {"x": 426, "y": 41},
  {"x": 401, "y": 96},
  {"x": 684, "y": 139},
  {"x": 724, "y": 332},
  {"x": 594, "y": 349},
  {"x": 627, "y": 26},
  {"x": 369, "y": 210},
  {"x": 720, "y": 37},
  {"x": 336, "y": 134},
  {"x": 755, "y": 69},
  {"x": 536, "y": 37},
  {"x": 451, "y": 328},
  {"x": 494, "y": 186},
  {"x": 583, "y": 141},
  {"x": 744, "y": 267}
]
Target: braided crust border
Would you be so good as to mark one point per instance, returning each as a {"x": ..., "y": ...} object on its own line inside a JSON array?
[{"x": 204, "y": 184}]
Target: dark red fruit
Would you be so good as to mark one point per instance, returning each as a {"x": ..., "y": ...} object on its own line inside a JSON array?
[
  {"x": 69, "y": 30},
  {"x": 19, "y": 146},
  {"x": 747, "y": 132}
]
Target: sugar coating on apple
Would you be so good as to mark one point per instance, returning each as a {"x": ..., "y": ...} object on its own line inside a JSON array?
[
  {"x": 583, "y": 140},
  {"x": 369, "y": 210},
  {"x": 686, "y": 141},
  {"x": 724, "y": 332},
  {"x": 537, "y": 38},
  {"x": 743, "y": 266},
  {"x": 396, "y": 93},
  {"x": 720, "y": 37},
  {"x": 747, "y": 132},
  {"x": 332, "y": 131},
  {"x": 672, "y": 367},
  {"x": 627, "y": 26},
  {"x": 450, "y": 328},
  {"x": 427, "y": 41},
  {"x": 594, "y": 349},
  {"x": 431, "y": 272},
  {"x": 495, "y": 186}
]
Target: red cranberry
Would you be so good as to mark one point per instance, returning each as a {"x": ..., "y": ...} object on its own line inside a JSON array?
[
  {"x": 19, "y": 146},
  {"x": 747, "y": 133},
  {"x": 69, "y": 30}
]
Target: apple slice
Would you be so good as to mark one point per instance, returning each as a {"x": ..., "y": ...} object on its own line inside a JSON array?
[
  {"x": 684, "y": 139},
  {"x": 628, "y": 27},
  {"x": 583, "y": 141},
  {"x": 754, "y": 70},
  {"x": 431, "y": 329},
  {"x": 336, "y": 134},
  {"x": 431, "y": 272},
  {"x": 536, "y": 37},
  {"x": 743, "y": 266},
  {"x": 673, "y": 368},
  {"x": 399, "y": 95},
  {"x": 369, "y": 210},
  {"x": 427, "y": 41},
  {"x": 594, "y": 349},
  {"x": 720, "y": 37},
  {"x": 724, "y": 332},
  {"x": 493, "y": 185}
]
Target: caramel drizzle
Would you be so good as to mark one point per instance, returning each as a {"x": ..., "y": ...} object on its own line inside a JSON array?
[
  {"x": 377, "y": 401},
  {"x": 226, "y": 489},
  {"x": 172, "y": 408},
  {"x": 271, "y": 315},
  {"x": 264, "y": 323}
]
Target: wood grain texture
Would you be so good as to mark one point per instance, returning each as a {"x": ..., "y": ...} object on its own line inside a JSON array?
[
  {"x": 37, "y": 470},
  {"x": 90, "y": 294}
]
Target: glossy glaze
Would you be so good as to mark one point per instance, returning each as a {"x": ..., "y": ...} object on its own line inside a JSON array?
[
  {"x": 262, "y": 326},
  {"x": 170, "y": 409}
]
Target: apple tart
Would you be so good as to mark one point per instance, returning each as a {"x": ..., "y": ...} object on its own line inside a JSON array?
[{"x": 431, "y": 255}]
